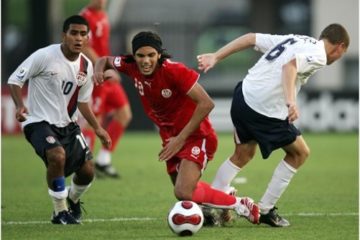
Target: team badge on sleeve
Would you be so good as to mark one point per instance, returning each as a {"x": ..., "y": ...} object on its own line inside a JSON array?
[
  {"x": 21, "y": 73},
  {"x": 117, "y": 62}
]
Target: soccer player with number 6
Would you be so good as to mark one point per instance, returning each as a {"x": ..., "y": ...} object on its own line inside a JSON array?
[
  {"x": 264, "y": 104},
  {"x": 60, "y": 83}
]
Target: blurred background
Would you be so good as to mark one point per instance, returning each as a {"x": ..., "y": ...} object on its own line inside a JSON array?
[{"x": 329, "y": 102}]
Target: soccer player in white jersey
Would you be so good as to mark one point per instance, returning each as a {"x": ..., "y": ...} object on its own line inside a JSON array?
[
  {"x": 264, "y": 105},
  {"x": 60, "y": 83}
]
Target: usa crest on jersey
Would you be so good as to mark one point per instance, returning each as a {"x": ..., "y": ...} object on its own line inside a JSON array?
[{"x": 81, "y": 78}]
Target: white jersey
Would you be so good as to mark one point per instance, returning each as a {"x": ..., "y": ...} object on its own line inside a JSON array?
[
  {"x": 56, "y": 85},
  {"x": 262, "y": 87}
]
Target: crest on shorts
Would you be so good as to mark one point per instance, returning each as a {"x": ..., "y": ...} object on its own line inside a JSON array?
[
  {"x": 166, "y": 93},
  {"x": 195, "y": 150},
  {"x": 50, "y": 139}
]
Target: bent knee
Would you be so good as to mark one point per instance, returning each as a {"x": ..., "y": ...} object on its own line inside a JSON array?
[
  {"x": 298, "y": 158},
  {"x": 182, "y": 194},
  {"x": 56, "y": 156},
  {"x": 123, "y": 116}
]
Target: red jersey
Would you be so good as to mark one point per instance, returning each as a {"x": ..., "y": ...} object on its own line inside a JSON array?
[
  {"x": 99, "y": 30},
  {"x": 164, "y": 95}
]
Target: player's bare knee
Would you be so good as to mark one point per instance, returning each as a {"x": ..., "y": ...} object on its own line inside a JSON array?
[
  {"x": 241, "y": 160},
  {"x": 127, "y": 119},
  {"x": 85, "y": 175},
  {"x": 303, "y": 155},
  {"x": 182, "y": 194},
  {"x": 306, "y": 152},
  {"x": 123, "y": 116},
  {"x": 56, "y": 157}
]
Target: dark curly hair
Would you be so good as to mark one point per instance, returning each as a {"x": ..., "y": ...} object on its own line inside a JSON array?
[{"x": 151, "y": 39}]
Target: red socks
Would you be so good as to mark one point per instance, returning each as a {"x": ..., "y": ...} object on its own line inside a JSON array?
[
  {"x": 115, "y": 130},
  {"x": 204, "y": 194}
]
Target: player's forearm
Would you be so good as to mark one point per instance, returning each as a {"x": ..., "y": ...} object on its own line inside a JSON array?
[
  {"x": 15, "y": 92},
  {"x": 289, "y": 74},
  {"x": 241, "y": 43},
  {"x": 201, "y": 112},
  {"x": 103, "y": 64},
  {"x": 87, "y": 113}
]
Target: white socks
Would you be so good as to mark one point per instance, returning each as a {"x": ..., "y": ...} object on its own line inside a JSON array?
[
  {"x": 225, "y": 174},
  {"x": 103, "y": 157},
  {"x": 279, "y": 182},
  {"x": 77, "y": 190},
  {"x": 59, "y": 200}
]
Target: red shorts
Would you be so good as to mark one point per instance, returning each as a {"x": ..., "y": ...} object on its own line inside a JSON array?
[
  {"x": 198, "y": 150},
  {"x": 107, "y": 97}
]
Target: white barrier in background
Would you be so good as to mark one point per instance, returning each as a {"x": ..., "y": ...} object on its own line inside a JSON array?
[{"x": 318, "y": 115}]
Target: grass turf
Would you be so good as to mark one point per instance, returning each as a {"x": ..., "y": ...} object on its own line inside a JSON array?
[{"x": 321, "y": 201}]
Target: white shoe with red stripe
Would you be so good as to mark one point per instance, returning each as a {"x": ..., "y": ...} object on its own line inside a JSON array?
[{"x": 248, "y": 209}]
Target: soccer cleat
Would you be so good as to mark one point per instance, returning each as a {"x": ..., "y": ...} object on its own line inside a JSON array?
[
  {"x": 210, "y": 217},
  {"x": 63, "y": 218},
  {"x": 75, "y": 209},
  {"x": 106, "y": 170},
  {"x": 248, "y": 209},
  {"x": 273, "y": 219}
]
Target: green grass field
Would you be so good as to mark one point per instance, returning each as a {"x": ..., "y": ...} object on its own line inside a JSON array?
[{"x": 321, "y": 201}]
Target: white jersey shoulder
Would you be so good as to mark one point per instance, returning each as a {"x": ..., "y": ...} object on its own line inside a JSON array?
[
  {"x": 262, "y": 86},
  {"x": 56, "y": 85}
]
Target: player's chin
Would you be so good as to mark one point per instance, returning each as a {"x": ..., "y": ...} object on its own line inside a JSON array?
[
  {"x": 77, "y": 49},
  {"x": 147, "y": 72}
]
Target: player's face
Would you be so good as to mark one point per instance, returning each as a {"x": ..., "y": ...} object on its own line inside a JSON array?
[
  {"x": 147, "y": 59},
  {"x": 75, "y": 38},
  {"x": 336, "y": 54}
]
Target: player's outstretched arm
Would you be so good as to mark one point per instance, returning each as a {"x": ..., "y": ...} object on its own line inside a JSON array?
[
  {"x": 101, "y": 65},
  {"x": 209, "y": 60}
]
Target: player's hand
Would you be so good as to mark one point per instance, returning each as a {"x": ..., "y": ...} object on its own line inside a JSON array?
[
  {"x": 98, "y": 78},
  {"x": 104, "y": 137},
  {"x": 171, "y": 148},
  {"x": 206, "y": 61},
  {"x": 293, "y": 112},
  {"x": 21, "y": 114},
  {"x": 111, "y": 75}
]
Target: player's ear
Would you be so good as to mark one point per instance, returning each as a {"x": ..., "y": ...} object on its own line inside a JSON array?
[{"x": 63, "y": 35}]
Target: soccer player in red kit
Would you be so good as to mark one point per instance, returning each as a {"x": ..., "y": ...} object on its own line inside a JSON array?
[
  {"x": 179, "y": 106},
  {"x": 109, "y": 99}
]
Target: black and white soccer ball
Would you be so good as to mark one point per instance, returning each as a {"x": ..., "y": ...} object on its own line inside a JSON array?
[{"x": 185, "y": 218}]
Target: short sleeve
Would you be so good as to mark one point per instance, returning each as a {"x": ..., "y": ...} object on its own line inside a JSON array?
[
  {"x": 121, "y": 64},
  {"x": 28, "y": 68},
  {"x": 264, "y": 42}
]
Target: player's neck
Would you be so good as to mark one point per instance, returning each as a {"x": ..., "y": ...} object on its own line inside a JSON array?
[{"x": 68, "y": 54}]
